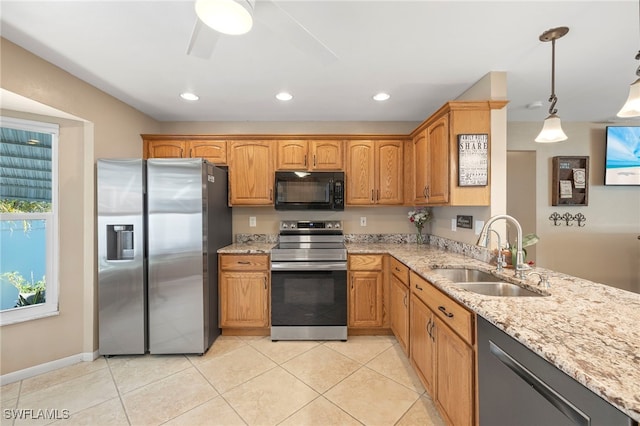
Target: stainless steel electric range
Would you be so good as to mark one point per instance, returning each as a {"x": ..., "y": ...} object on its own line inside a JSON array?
[{"x": 309, "y": 282}]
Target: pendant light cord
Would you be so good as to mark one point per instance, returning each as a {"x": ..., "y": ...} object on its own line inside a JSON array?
[{"x": 553, "y": 98}]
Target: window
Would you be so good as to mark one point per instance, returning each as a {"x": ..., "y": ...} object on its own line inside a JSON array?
[{"x": 28, "y": 220}]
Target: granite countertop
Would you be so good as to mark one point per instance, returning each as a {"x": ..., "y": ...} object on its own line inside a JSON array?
[{"x": 588, "y": 330}]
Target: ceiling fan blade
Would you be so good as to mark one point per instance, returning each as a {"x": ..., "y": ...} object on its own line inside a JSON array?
[
  {"x": 203, "y": 40},
  {"x": 282, "y": 23}
]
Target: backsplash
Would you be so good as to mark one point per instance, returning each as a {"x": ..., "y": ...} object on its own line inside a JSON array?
[{"x": 476, "y": 252}]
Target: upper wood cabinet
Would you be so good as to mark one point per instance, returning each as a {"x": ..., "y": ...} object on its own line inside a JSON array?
[
  {"x": 159, "y": 146},
  {"x": 251, "y": 174},
  {"x": 374, "y": 172},
  {"x": 310, "y": 155},
  {"x": 431, "y": 162}
]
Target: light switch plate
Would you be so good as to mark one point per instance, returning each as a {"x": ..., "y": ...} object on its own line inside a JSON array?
[
  {"x": 363, "y": 221},
  {"x": 252, "y": 221},
  {"x": 454, "y": 226}
]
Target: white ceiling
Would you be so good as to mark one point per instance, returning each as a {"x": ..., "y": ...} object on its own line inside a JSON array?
[{"x": 423, "y": 53}]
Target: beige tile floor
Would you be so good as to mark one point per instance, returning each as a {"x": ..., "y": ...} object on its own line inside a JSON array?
[{"x": 239, "y": 381}]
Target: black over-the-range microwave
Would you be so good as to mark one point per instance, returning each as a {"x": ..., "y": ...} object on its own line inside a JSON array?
[{"x": 309, "y": 191}]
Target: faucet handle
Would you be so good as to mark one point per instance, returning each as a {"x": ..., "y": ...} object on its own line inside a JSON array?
[{"x": 544, "y": 279}]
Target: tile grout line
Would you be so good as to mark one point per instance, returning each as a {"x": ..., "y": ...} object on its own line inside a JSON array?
[{"x": 124, "y": 408}]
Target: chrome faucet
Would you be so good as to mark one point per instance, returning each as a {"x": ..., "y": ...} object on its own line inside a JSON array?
[
  {"x": 483, "y": 241},
  {"x": 544, "y": 279},
  {"x": 500, "y": 258}
]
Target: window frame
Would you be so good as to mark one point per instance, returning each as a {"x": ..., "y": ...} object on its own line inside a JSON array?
[{"x": 51, "y": 306}]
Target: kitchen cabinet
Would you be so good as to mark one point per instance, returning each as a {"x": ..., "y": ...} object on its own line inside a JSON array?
[
  {"x": 366, "y": 295},
  {"x": 442, "y": 350},
  {"x": 310, "y": 155},
  {"x": 251, "y": 174},
  {"x": 374, "y": 172},
  {"x": 399, "y": 302},
  {"x": 431, "y": 163},
  {"x": 431, "y": 160},
  {"x": 160, "y": 146},
  {"x": 244, "y": 284}
]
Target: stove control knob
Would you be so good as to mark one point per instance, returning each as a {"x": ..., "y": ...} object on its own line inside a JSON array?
[
  {"x": 285, "y": 226},
  {"x": 293, "y": 225},
  {"x": 329, "y": 225},
  {"x": 337, "y": 225}
]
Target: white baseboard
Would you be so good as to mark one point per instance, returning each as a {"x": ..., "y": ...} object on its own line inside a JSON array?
[{"x": 47, "y": 367}]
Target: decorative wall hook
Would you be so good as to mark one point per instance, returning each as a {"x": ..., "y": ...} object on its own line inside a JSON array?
[
  {"x": 567, "y": 217},
  {"x": 555, "y": 217}
]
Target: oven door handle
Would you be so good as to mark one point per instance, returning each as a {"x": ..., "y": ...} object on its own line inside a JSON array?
[{"x": 308, "y": 266}]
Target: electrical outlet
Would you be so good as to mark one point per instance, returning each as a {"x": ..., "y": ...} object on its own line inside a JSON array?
[
  {"x": 363, "y": 221},
  {"x": 479, "y": 226},
  {"x": 252, "y": 221},
  {"x": 454, "y": 225}
]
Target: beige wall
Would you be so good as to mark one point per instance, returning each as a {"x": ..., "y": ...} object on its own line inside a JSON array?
[
  {"x": 105, "y": 127},
  {"x": 606, "y": 250}
]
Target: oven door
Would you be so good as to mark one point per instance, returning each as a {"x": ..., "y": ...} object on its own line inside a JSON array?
[{"x": 308, "y": 304}]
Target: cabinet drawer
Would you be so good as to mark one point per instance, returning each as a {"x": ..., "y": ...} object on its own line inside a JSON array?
[
  {"x": 365, "y": 262},
  {"x": 248, "y": 262},
  {"x": 449, "y": 311},
  {"x": 400, "y": 270}
]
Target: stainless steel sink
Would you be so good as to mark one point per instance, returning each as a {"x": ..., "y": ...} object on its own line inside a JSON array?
[
  {"x": 498, "y": 289},
  {"x": 460, "y": 275},
  {"x": 484, "y": 283}
]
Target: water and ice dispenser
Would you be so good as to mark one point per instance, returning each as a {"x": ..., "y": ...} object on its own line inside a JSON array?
[{"x": 120, "y": 242}]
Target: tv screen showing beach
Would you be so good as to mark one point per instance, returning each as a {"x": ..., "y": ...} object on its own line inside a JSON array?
[{"x": 623, "y": 156}]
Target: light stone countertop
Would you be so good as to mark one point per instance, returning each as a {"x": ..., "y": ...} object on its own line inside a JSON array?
[{"x": 588, "y": 330}]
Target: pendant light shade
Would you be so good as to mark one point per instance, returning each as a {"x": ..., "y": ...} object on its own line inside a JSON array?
[
  {"x": 551, "y": 131},
  {"x": 631, "y": 108},
  {"x": 232, "y": 17},
  {"x": 552, "y": 128}
]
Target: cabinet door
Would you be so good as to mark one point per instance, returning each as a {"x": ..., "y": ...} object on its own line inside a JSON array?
[
  {"x": 389, "y": 187},
  {"x": 454, "y": 376},
  {"x": 399, "y": 307},
  {"x": 326, "y": 155},
  {"x": 420, "y": 160},
  {"x": 212, "y": 151},
  {"x": 365, "y": 299},
  {"x": 251, "y": 173},
  {"x": 244, "y": 299},
  {"x": 167, "y": 149},
  {"x": 360, "y": 173},
  {"x": 438, "y": 161},
  {"x": 292, "y": 155},
  {"x": 422, "y": 345}
]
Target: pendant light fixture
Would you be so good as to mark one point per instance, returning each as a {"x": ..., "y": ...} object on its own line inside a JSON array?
[
  {"x": 232, "y": 17},
  {"x": 631, "y": 108},
  {"x": 552, "y": 129}
]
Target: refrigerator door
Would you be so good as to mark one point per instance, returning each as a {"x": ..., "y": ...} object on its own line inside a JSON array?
[
  {"x": 177, "y": 265},
  {"x": 121, "y": 257}
]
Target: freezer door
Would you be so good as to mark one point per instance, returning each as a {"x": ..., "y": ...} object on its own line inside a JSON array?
[
  {"x": 177, "y": 256},
  {"x": 121, "y": 257}
]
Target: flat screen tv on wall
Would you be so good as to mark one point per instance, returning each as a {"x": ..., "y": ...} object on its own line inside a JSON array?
[{"x": 622, "y": 166}]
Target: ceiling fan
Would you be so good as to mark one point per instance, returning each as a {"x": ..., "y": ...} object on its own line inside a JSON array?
[{"x": 204, "y": 38}]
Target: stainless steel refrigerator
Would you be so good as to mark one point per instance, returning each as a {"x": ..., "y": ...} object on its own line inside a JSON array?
[{"x": 160, "y": 224}]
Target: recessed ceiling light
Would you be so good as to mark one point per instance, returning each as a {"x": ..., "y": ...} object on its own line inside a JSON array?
[
  {"x": 534, "y": 105},
  {"x": 381, "y": 96},
  {"x": 189, "y": 96},
  {"x": 284, "y": 96}
]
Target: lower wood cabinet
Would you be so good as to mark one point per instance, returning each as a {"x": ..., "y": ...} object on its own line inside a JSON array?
[
  {"x": 244, "y": 286},
  {"x": 442, "y": 351},
  {"x": 366, "y": 279},
  {"x": 399, "y": 302}
]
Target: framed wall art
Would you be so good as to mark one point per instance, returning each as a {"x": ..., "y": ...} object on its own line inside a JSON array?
[{"x": 473, "y": 159}]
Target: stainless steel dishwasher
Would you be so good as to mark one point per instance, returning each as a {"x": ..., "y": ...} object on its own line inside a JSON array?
[{"x": 518, "y": 388}]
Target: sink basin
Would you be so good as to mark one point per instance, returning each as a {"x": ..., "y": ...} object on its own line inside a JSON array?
[
  {"x": 460, "y": 275},
  {"x": 498, "y": 289}
]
